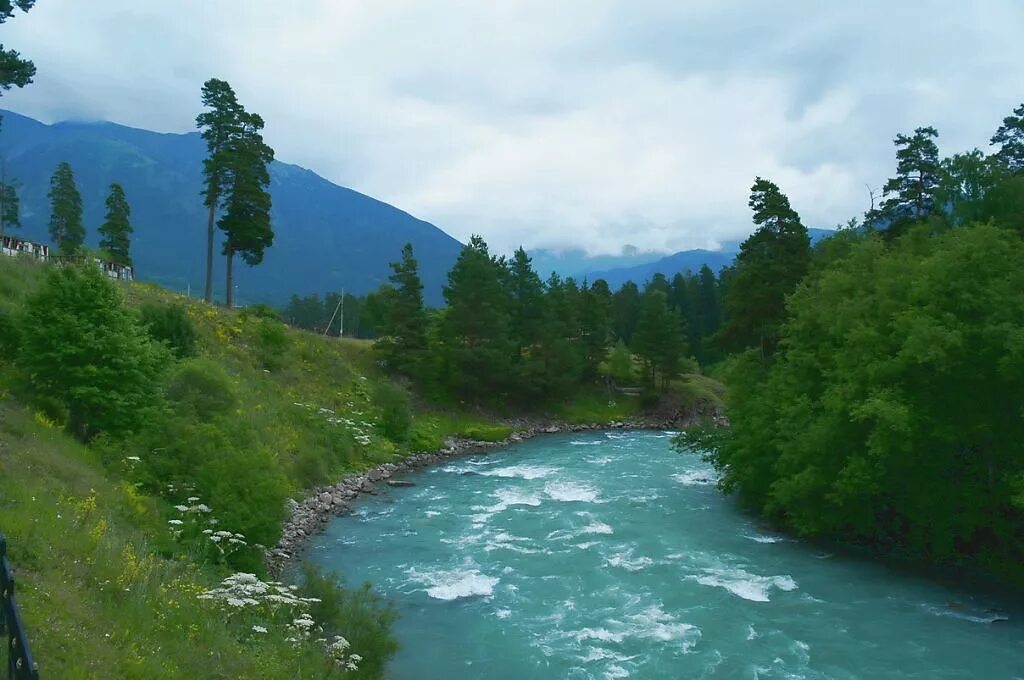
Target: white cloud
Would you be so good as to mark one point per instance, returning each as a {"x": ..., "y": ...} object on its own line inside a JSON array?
[{"x": 588, "y": 124}]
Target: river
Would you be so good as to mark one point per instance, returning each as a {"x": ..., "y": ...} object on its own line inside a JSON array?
[{"x": 609, "y": 555}]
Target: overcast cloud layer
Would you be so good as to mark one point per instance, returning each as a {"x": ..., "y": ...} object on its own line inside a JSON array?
[{"x": 589, "y": 124}]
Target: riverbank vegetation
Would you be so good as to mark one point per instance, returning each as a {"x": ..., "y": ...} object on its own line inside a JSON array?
[{"x": 877, "y": 398}]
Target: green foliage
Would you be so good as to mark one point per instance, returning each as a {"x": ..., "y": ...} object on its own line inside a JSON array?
[
  {"x": 658, "y": 339},
  {"x": 66, "y": 229},
  {"x": 360, "y": 616},
  {"x": 10, "y": 216},
  {"x": 771, "y": 263},
  {"x": 271, "y": 341},
  {"x": 402, "y": 343},
  {"x": 912, "y": 192},
  {"x": 620, "y": 365},
  {"x": 81, "y": 347},
  {"x": 202, "y": 388},
  {"x": 392, "y": 402},
  {"x": 1010, "y": 138},
  {"x": 116, "y": 229},
  {"x": 170, "y": 325},
  {"x": 14, "y": 71},
  {"x": 896, "y": 387}
]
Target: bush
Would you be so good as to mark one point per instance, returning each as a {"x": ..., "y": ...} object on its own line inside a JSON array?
[
  {"x": 393, "y": 404},
  {"x": 620, "y": 364},
  {"x": 10, "y": 334},
  {"x": 170, "y": 324},
  {"x": 81, "y": 347},
  {"x": 360, "y": 616},
  {"x": 202, "y": 387},
  {"x": 271, "y": 341}
]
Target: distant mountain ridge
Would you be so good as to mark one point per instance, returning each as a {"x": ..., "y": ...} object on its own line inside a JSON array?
[{"x": 328, "y": 237}]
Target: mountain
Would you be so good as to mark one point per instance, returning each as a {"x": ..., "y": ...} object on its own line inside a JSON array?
[
  {"x": 576, "y": 262},
  {"x": 684, "y": 260},
  {"x": 328, "y": 238}
]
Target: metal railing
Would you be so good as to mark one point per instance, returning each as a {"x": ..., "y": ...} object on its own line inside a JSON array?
[{"x": 20, "y": 665}]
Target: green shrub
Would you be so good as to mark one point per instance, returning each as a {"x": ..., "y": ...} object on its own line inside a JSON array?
[
  {"x": 271, "y": 341},
  {"x": 360, "y": 616},
  {"x": 10, "y": 334},
  {"x": 393, "y": 403},
  {"x": 485, "y": 432},
  {"x": 202, "y": 387},
  {"x": 170, "y": 324},
  {"x": 620, "y": 364},
  {"x": 83, "y": 348}
]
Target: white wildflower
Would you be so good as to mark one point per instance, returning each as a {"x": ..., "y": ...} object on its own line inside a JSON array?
[{"x": 259, "y": 629}]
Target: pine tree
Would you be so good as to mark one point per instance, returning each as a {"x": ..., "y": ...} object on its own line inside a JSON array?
[
  {"x": 658, "y": 339},
  {"x": 220, "y": 125},
  {"x": 66, "y": 228},
  {"x": 246, "y": 219},
  {"x": 625, "y": 311},
  {"x": 14, "y": 71},
  {"x": 402, "y": 342},
  {"x": 116, "y": 229},
  {"x": 1010, "y": 138},
  {"x": 912, "y": 192},
  {"x": 477, "y": 349},
  {"x": 9, "y": 206},
  {"x": 595, "y": 326},
  {"x": 526, "y": 292},
  {"x": 770, "y": 264}
]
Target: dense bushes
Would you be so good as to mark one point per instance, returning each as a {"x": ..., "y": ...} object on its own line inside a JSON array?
[
  {"x": 899, "y": 384},
  {"x": 81, "y": 347},
  {"x": 170, "y": 324}
]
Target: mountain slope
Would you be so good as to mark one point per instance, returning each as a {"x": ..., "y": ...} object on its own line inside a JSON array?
[{"x": 327, "y": 237}]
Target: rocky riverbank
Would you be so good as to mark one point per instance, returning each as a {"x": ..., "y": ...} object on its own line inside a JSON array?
[{"x": 308, "y": 518}]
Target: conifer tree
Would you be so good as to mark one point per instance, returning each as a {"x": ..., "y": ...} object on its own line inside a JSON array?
[
  {"x": 14, "y": 70},
  {"x": 66, "y": 228},
  {"x": 246, "y": 219},
  {"x": 625, "y": 311},
  {"x": 116, "y": 229},
  {"x": 770, "y": 264},
  {"x": 10, "y": 216},
  {"x": 474, "y": 329},
  {"x": 658, "y": 339},
  {"x": 402, "y": 341},
  {"x": 220, "y": 125},
  {"x": 911, "y": 194},
  {"x": 1010, "y": 138},
  {"x": 595, "y": 326}
]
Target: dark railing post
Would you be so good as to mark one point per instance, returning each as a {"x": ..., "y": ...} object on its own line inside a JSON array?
[{"x": 20, "y": 665}]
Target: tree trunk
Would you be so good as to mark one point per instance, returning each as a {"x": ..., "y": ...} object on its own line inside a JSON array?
[
  {"x": 208, "y": 295},
  {"x": 229, "y": 295}
]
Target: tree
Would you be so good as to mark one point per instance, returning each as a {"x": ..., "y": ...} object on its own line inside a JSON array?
[
  {"x": 476, "y": 347},
  {"x": 658, "y": 339},
  {"x": 402, "y": 342},
  {"x": 1010, "y": 138},
  {"x": 66, "y": 228},
  {"x": 595, "y": 326},
  {"x": 246, "y": 219},
  {"x": 84, "y": 349},
  {"x": 912, "y": 192},
  {"x": 770, "y": 264},
  {"x": 220, "y": 125},
  {"x": 965, "y": 179},
  {"x": 9, "y": 205},
  {"x": 526, "y": 292},
  {"x": 116, "y": 229},
  {"x": 625, "y": 311},
  {"x": 14, "y": 71}
]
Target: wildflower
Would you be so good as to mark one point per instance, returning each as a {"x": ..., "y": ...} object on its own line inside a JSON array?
[
  {"x": 181, "y": 508},
  {"x": 259, "y": 629},
  {"x": 134, "y": 459},
  {"x": 175, "y": 522}
]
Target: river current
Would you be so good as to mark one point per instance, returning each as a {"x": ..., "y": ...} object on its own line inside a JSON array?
[{"x": 609, "y": 555}]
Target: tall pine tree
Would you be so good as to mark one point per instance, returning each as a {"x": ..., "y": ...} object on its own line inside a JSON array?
[
  {"x": 66, "y": 228},
  {"x": 658, "y": 339},
  {"x": 246, "y": 219},
  {"x": 911, "y": 194},
  {"x": 402, "y": 342},
  {"x": 1010, "y": 139},
  {"x": 14, "y": 71},
  {"x": 220, "y": 125},
  {"x": 10, "y": 214},
  {"x": 770, "y": 264},
  {"x": 116, "y": 229}
]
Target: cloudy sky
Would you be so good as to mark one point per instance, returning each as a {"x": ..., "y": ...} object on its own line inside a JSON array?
[{"x": 580, "y": 123}]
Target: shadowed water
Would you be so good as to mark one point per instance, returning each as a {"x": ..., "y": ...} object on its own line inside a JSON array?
[{"x": 608, "y": 555}]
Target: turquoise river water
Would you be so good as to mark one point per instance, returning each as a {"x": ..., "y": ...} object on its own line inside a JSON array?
[{"x": 608, "y": 555}]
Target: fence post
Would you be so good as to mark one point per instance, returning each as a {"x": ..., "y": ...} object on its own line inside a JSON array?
[{"x": 20, "y": 665}]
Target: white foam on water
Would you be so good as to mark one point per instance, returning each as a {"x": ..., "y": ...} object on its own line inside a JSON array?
[
  {"x": 654, "y": 623},
  {"x": 614, "y": 672},
  {"x": 455, "y": 584},
  {"x": 625, "y": 560},
  {"x": 605, "y": 654},
  {"x": 585, "y": 546},
  {"x": 603, "y": 460},
  {"x": 751, "y": 633},
  {"x": 597, "y": 528},
  {"x": 503, "y": 613},
  {"x": 571, "y": 492},
  {"x": 507, "y": 498},
  {"x": 431, "y": 513},
  {"x": 697, "y": 477},
  {"x": 581, "y": 442},
  {"x": 990, "y": 616},
  {"x": 744, "y": 584},
  {"x": 763, "y": 538},
  {"x": 521, "y": 471}
]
